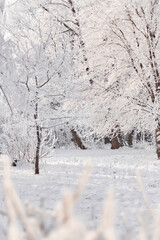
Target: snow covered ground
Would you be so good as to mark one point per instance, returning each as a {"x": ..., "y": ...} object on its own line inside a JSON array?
[{"x": 111, "y": 169}]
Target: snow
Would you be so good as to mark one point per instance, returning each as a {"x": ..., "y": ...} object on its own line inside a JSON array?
[{"x": 112, "y": 169}]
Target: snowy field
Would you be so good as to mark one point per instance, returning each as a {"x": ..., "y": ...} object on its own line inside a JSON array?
[{"x": 111, "y": 169}]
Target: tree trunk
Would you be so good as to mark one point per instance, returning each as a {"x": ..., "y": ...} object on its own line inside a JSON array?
[
  {"x": 38, "y": 135},
  {"x": 37, "y": 149},
  {"x": 107, "y": 140},
  {"x": 129, "y": 138},
  {"x": 117, "y": 141},
  {"x": 157, "y": 135},
  {"x": 77, "y": 139},
  {"x": 114, "y": 143}
]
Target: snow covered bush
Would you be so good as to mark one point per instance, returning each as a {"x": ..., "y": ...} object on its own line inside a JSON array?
[{"x": 18, "y": 140}]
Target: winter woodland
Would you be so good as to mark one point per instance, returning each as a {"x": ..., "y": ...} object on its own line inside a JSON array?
[
  {"x": 84, "y": 76},
  {"x": 78, "y": 72}
]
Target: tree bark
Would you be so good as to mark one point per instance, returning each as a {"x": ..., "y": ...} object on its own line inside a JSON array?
[
  {"x": 129, "y": 138},
  {"x": 37, "y": 149},
  {"x": 116, "y": 142},
  {"x": 107, "y": 140},
  {"x": 117, "y": 139},
  {"x": 38, "y": 135},
  {"x": 157, "y": 135},
  {"x": 77, "y": 140}
]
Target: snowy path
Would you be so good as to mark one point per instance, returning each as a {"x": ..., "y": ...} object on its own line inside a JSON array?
[{"x": 112, "y": 169}]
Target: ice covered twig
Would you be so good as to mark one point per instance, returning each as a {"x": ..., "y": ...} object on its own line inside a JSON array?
[
  {"x": 65, "y": 209},
  {"x": 139, "y": 179},
  {"x": 107, "y": 225},
  {"x": 15, "y": 209}
]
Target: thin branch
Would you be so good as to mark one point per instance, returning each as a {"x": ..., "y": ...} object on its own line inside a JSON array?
[{"x": 6, "y": 99}]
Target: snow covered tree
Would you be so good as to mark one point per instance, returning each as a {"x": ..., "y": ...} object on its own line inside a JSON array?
[
  {"x": 8, "y": 83},
  {"x": 123, "y": 57},
  {"x": 43, "y": 65},
  {"x": 69, "y": 20},
  {"x": 135, "y": 38}
]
